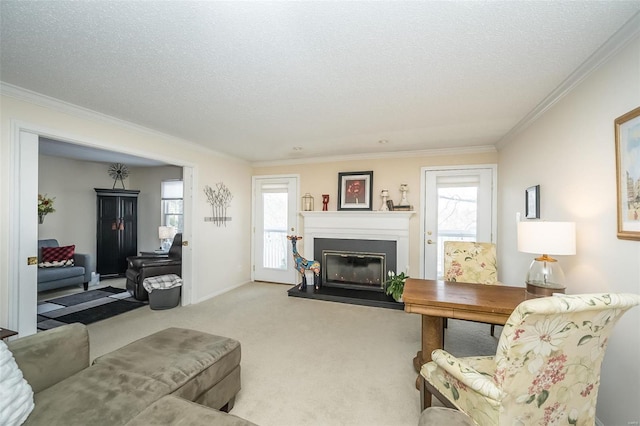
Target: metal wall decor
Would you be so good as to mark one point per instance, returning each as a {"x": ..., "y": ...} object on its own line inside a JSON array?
[
  {"x": 220, "y": 199},
  {"x": 118, "y": 172}
]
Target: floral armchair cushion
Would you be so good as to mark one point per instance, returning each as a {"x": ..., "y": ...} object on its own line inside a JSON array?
[
  {"x": 547, "y": 367},
  {"x": 470, "y": 262}
]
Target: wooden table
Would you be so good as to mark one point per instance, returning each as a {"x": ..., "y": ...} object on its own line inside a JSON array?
[
  {"x": 436, "y": 300},
  {"x": 5, "y": 333}
]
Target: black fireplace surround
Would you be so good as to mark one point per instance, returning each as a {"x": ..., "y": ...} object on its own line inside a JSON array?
[{"x": 362, "y": 286}]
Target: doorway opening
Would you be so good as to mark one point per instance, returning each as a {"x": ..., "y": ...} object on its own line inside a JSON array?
[{"x": 23, "y": 234}]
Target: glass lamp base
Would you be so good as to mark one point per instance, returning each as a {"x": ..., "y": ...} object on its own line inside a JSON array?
[{"x": 545, "y": 277}]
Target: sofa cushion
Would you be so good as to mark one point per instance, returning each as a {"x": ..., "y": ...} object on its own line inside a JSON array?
[
  {"x": 53, "y": 257},
  {"x": 45, "y": 358},
  {"x": 56, "y": 274},
  {"x": 174, "y": 411},
  {"x": 98, "y": 395}
]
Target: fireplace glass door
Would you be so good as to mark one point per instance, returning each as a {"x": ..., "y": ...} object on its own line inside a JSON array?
[{"x": 355, "y": 270}]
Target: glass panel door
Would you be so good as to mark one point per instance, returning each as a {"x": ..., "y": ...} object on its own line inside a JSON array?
[
  {"x": 275, "y": 209},
  {"x": 459, "y": 207}
]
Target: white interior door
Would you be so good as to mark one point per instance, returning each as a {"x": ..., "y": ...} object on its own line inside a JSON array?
[
  {"x": 275, "y": 204},
  {"x": 23, "y": 277},
  {"x": 460, "y": 205}
]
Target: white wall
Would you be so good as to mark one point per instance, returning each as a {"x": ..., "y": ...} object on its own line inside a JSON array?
[
  {"x": 570, "y": 153},
  {"x": 220, "y": 255},
  {"x": 72, "y": 183}
]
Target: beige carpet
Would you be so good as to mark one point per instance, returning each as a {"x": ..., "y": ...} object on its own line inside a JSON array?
[{"x": 307, "y": 362}]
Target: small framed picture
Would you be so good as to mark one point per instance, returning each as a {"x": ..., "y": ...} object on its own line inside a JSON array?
[
  {"x": 532, "y": 202},
  {"x": 355, "y": 190},
  {"x": 627, "y": 128}
]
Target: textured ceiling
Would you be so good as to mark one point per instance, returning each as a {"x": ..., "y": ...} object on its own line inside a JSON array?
[{"x": 256, "y": 79}]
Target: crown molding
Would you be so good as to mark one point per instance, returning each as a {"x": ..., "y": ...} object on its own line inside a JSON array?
[
  {"x": 609, "y": 48},
  {"x": 439, "y": 152},
  {"x": 45, "y": 101}
]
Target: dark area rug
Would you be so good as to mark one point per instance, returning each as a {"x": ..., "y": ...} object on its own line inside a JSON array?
[
  {"x": 86, "y": 307},
  {"x": 86, "y": 296},
  {"x": 98, "y": 313}
]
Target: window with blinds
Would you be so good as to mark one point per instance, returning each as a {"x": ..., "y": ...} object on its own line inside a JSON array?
[{"x": 173, "y": 204}]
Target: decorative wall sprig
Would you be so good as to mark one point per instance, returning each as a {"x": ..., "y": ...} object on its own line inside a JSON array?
[{"x": 219, "y": 198}]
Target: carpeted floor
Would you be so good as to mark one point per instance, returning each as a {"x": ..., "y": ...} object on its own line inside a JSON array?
[
  {"x": 308, "y": 362},
  {"x": 85, "y": 307}
]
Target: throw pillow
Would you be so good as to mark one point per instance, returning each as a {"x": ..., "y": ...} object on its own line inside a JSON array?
[
  {"x": 16, "y": 396},
  {"x": 54, "y": 257}
]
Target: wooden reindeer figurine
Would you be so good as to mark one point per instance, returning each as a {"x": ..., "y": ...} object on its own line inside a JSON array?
[{"x": 303, "y": 265}]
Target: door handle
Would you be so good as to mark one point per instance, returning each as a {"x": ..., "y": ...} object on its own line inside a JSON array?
[
  {"x": 185, "y": 243},
  {"x": 430, "y": 242}
]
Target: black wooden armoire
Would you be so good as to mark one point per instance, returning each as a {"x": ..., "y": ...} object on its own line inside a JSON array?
[{"x": 117, "y": 231}]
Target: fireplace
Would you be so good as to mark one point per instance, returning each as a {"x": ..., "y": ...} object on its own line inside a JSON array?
[
  {"x": 355, "y": 263},
  {"x": 368, "y": 244}
]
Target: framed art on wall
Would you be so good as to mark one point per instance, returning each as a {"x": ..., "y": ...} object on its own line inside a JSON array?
[
  {"x": 532, "y": 202},
  {"x": 627, "y": 132},
  {"x": 355, "y": 190}
]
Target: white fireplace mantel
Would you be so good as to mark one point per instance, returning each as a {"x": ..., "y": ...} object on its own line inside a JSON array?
[{"x": 365, "y": 225}]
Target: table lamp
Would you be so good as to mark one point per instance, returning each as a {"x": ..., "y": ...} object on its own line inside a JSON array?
[
  {"x": 545, "y": 276},
  {"x": 166, "y": 234}
]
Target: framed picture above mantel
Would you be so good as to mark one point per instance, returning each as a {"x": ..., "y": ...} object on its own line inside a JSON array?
[
  {"x": 627, "y": 135},
  {"x": 355, "y": 190}
]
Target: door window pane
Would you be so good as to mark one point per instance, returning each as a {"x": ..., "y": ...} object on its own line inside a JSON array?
[
  {"x": 172, "y": 204},
  {"x": 275, "y": 253},
  {"x": 457, "y": 217}
]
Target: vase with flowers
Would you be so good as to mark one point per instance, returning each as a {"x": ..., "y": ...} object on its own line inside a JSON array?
[
  {"x": 45, "y": 206},
  {"x": 394, "y": 286}
]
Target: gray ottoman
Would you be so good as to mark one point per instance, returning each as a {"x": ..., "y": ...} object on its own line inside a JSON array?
[{"x": 193, "y": 365}]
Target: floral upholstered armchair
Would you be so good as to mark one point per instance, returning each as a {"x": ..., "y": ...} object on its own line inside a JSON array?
[
  {"x": 470, "y": 262},
  {"x": 546, "y": 370}
]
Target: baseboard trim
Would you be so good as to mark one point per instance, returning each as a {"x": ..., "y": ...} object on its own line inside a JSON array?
[{"x": 218, "y": 293}]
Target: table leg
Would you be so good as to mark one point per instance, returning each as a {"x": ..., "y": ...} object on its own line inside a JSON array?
[{"x": 432, "y": 338}]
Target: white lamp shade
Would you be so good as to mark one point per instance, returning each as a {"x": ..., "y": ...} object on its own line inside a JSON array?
[
  {"x": 166, "y": 232},
  {"x": 554, "y": 238}
]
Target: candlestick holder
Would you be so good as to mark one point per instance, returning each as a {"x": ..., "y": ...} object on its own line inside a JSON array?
[
  {"x": 385, "y": 195},
  {"x": 403, "y": 199}
]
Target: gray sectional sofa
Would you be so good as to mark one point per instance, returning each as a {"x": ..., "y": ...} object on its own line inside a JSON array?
[
  {"x": 169, "y": 377},
  {"x": 52, "y": 278}
]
